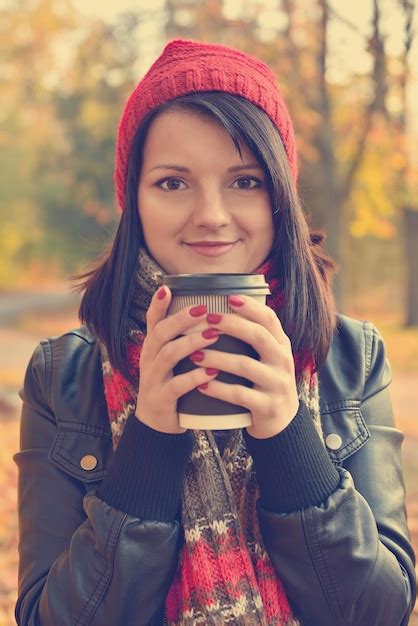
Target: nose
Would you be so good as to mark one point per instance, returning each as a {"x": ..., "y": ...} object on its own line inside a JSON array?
[{"x": 210, "y": 210}]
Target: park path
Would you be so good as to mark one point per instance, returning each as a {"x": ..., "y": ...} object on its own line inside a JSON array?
[{"x": 14, "y": 304}]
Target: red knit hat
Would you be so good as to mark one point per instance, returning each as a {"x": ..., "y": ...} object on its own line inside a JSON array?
[{"x": 192, "y": 66}]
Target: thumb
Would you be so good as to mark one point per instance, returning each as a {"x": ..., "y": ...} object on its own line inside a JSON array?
[{"x": 157, "y": 310}]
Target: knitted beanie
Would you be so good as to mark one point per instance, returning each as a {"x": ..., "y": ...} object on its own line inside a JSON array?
[{"x": 192, "y": 66}]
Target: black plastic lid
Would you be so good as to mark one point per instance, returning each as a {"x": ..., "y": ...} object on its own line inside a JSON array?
[{"x": 182, "y": 284}]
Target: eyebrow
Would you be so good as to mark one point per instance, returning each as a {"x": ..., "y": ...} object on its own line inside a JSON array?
[{"x": 181, "y": 168}]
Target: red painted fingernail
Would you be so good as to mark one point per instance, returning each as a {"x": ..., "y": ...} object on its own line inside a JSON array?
[
  {"x": 210, "y": 371},
  {"x": 236, "y": 300},
  {"x": 203, "y": 386},
  {"x": 210, "y": 333},
  {"x": 197, "y": 356},
  {"x": 196, "y": 311},
  {"x": 213, "y": 318},
  {"x": 161, "y": 294}
]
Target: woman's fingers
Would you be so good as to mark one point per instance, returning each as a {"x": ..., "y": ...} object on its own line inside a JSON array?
[
  {"x": 182, "y": 347},
  {"x": 250, "y": 398},
  {"x": 169, "y": 338},
  {"x": 273, "y": 400},
  {"x": 254, "y": 334},
  {"x": 180, "y": 384},
  {"x": 262, "y": 314},
  {"x": 244, "y": 366},
  {"x": 257, "y": 325},
  {"x": 165, "y": 329},
  {"x": 158, "y": 307},
  {"x": 266, "y": 409}
]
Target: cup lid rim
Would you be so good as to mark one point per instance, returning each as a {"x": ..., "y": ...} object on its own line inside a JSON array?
[{"x": 216, "y": 281}]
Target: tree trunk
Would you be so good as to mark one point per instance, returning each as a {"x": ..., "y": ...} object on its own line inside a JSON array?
[{"x": 410, "y": 216}]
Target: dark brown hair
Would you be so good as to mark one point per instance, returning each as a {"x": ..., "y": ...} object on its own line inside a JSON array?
[{"x": 297, "y": 256}]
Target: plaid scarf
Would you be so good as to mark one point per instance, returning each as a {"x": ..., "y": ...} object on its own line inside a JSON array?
[{"x": 224, "y": 573}]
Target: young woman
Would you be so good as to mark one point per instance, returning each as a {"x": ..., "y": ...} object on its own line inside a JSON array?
[{"x": 127, "y": 519}]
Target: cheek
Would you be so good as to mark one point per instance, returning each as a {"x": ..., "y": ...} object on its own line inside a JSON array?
[
  {"x": 260, "y": 223},
  {"x": 148, "y": 201},
  {"x": 263, "y": 231},
  {"x": 160, "y": 226}
]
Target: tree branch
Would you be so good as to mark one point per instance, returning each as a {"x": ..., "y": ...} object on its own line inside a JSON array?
[
  {"x": 377, "y": 49},
  {"x": 294, "y": 53},
  {"x": 334, "y": 13},
  {"x": 324, "y": 97},
  {"x": 407, "y": 7}
]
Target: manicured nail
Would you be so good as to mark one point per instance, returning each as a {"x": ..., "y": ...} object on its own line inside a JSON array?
[
  {"x": 161, "y": 294},
  {"x": 203, "y": 386},
  {"x": 236, "y": 300},
  {"x": 210, "y": 371},
  {"x": 210, "y": 333},
  {"x": 196, "y": 311},
  {"x": 197, "y": 356},
  {"x": 213, "y": 318}
]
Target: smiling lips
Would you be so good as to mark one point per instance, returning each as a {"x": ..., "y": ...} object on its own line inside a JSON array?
[{"x": 211, "y": 248}]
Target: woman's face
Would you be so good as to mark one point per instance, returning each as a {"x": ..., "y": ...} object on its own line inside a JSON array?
[{"x": 193, "y": 187}]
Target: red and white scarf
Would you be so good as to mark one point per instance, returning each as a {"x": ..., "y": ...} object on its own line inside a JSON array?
[{"x": 224, "y": 573}]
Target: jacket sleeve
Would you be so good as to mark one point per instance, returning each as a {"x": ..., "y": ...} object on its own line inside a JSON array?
[
  {"x": 346, "y": 558},
  {"x": 82, "y": 560}
]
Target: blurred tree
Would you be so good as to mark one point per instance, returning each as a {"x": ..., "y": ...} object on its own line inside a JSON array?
[
  {"x": 406, "y": 199},
  {"x": 410, "y": 214},
  {"x": 333, "y": 178},
  {"x": 78, "y": 195},
  {"x": 28, "y": 35},
  {"x": 64, "y": 83}
]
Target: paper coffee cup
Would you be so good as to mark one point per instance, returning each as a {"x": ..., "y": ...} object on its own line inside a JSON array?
[{"x": 196, "y": 410}]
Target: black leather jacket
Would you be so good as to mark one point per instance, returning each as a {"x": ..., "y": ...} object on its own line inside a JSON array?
[{"x": 346, "y": 562}]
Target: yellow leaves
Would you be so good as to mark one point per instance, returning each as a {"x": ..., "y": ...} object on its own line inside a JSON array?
[
  {"x": 368, "y": 224},
  {"x": 94, "y": 117},
  {"x": 18, "y": 231},
  {"x": 371, "y": 199},
  {"x": 379, "y": 186},
  {"x": 399, "y": 161}
]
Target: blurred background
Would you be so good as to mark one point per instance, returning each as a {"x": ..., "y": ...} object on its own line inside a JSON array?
[{"x": 349, "y": 72}]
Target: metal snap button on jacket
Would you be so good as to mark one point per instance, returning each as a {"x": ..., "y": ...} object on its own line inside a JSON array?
[
  {"x": 88, "y": 462},
  {"x": 333, "y": 441}
]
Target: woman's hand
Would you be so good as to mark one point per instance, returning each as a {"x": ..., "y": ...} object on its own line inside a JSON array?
[
  {"x": 273, "y": 400},
  {"x": 159, "y": 389}
]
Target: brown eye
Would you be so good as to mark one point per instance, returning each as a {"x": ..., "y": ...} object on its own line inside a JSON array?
[
  {"x": 173, "y": 184},
  {"x": 248, "y": 182}
]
